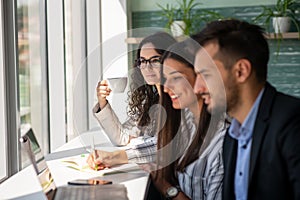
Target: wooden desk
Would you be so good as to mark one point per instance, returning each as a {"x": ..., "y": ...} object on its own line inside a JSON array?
[{"x": 25, "y": 185}]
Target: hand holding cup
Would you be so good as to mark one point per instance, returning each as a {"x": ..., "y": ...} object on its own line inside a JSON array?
[{"x": 102, "y": 92}]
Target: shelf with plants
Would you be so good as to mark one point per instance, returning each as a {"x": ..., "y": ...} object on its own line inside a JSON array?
[
  {"x": 199, "y": 16},
  {"x": 279, "y": 18},
  {"x": 137, "y": 40},
  {"x": 290, "y": 35}
]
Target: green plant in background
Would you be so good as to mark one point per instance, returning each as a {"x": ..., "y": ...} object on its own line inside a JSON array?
[
  {"x": 169, "y": 13},
  {"x": 185, "y": 8},
  {"x": 182, "y": 11},
  {"x": 283, "y": 8}
]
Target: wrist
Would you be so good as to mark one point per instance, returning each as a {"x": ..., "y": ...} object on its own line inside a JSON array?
[
  {"x": 102, "y": 103},
  {"x": 120, "y": 156}
]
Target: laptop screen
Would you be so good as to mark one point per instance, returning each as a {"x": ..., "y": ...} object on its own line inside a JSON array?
[{"x": 31, "y": 148}]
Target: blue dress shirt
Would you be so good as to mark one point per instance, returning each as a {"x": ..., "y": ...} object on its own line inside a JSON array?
[{"x": 243, "y": 134}]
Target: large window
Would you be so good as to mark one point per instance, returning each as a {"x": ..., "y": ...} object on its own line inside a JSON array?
[
  {"x": 50, "y": 63},
  {"x": 31, "y": 68}
]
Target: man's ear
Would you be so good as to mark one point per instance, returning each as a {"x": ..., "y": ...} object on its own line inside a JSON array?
[{"x": 242, "y": 70}]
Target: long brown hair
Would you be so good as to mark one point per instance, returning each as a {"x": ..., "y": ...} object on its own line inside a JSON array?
[
  {"x": 170, "y": 146},
  {"x": 141, "y": 95}
]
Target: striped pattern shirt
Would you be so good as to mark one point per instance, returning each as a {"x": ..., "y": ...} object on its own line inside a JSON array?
[
  {"x": 142, "y": 150},
  {"x": 203, "y": 179}
]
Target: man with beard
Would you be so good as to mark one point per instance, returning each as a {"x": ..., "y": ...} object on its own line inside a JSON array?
[{"x": 261, "y": 150}]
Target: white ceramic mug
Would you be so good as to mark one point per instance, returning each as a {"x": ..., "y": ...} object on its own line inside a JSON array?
[{"x": 118, "y": 84}]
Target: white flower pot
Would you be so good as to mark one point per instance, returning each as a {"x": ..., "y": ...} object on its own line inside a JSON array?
[
  {"x": 281, "y": 24},
  {"x": 177, "y": 28}
]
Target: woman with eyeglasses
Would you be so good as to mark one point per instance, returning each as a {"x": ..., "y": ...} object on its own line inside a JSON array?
[{"x": 143, "y": 96}]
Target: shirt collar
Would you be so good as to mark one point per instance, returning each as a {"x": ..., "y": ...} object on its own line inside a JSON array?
[{"x": 244, "y": 132}]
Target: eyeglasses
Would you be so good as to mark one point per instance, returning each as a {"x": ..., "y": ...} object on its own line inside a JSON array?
[{"x": 154, "y": 62}]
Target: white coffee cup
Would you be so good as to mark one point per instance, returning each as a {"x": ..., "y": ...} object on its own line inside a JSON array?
[{"x": 118, "y": 84}]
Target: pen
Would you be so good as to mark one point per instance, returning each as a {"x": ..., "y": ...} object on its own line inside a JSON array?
[{"x": 93, "y": 151}]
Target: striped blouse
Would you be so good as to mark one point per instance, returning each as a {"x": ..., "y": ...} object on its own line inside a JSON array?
[{"x": 203, "y": 179}]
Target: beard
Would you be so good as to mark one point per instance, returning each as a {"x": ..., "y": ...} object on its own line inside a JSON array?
[{"x": 232, "y": 93}]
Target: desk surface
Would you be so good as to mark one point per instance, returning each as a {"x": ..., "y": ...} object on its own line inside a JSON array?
[{"x": 25, "y": 185}]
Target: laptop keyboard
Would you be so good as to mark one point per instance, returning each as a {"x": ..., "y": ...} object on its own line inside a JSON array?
[
  {"x": 87, "y": 192},
  {"x": 103, "y": 192}
]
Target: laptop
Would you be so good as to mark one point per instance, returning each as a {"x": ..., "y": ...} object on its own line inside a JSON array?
[{"x": 32, "y": 148}]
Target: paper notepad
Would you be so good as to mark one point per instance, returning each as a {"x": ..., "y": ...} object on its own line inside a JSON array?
[{"x": 79, "y": 163}]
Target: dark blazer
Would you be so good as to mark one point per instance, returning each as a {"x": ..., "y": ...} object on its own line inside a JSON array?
[{"x": 275, "y": 154}]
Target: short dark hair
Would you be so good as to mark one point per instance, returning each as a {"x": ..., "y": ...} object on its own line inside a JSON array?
[{"x": 238, "y": 39}]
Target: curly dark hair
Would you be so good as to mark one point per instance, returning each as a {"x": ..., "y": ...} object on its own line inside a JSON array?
[{"x": 142, "y": 95}]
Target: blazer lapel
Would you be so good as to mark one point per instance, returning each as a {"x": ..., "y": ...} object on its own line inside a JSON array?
[
  {"x": 229, "y": 156},
  {"x": 261, "y": 125}
]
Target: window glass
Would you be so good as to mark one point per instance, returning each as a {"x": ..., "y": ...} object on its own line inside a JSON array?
[
  {"x": 31, "y": 68},
  {"x": 3, "y": 147}
]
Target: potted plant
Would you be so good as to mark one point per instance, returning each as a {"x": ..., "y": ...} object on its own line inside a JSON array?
[
  {"x": 179, "y": 17},
  {"x": 282, "y": 15}
]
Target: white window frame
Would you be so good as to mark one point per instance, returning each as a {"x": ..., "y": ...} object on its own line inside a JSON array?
[
  {"x": 11, "y": 86},
  {"x": 3, "y": 128},
  {"x": 56, "y": 74},
  {"x": 94, "y": 52},
  {"x": 114, "y": 26},
  {"x": 76, "y": 68},
  {"x": 61, "y": 63}
]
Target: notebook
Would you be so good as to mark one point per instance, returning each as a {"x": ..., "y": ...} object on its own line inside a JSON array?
[
  {"x": 32, "y": 148},
  {"x": 79, "y": 163}
]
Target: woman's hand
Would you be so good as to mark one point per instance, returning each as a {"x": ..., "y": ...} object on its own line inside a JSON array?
[
  {"x": 102, "y": 159},
  {"x": 102, "y": 92},
  {"x": 94, "y": 163}
]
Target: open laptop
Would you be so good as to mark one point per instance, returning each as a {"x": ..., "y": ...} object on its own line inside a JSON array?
[{"x": 32, "y": 148}]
